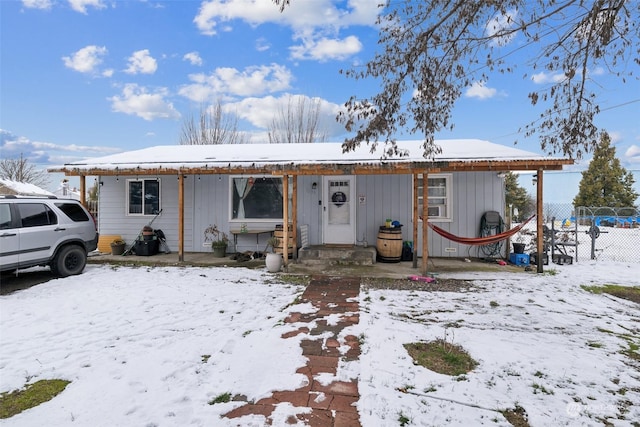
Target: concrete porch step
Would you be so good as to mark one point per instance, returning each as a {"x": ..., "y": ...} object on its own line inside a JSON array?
[{"x": 337, "y": 255}]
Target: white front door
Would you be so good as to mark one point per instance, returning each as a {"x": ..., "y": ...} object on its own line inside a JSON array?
[{"x": 339, "y": 210}]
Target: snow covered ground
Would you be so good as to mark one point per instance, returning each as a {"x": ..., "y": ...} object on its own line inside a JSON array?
[{"x": 153, "y": 346}]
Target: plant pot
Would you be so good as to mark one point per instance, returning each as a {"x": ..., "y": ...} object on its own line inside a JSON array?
[
  {"x": 273, "y": 262},
  {"x": 219, "y": 251},
  {"x": 518, "y": 248},
  {"x": 117, "y": 248}
]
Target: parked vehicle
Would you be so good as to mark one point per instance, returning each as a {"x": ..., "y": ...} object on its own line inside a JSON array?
[{"x": 37, "y": 231}]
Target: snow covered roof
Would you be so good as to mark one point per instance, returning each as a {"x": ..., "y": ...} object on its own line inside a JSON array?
[
  {"x": 311, "y": 158},
  {"x": 21, "y": 188}
]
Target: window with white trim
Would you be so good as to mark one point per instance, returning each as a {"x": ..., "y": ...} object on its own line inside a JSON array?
[
  {"x": 256, "y": 198},
  {"x": 143, "y": 196},
  {"x": 439, "y": 196}
]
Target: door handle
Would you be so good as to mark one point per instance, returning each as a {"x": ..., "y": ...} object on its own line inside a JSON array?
[
  {"x": 59, "y": 229},
  {"x": 9, "y": 234}
]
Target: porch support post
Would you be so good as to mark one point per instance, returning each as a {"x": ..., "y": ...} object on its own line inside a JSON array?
[
  {"x": 285, "y": 219},
  {"x": 540, "y": 224},
  {"x": 83, "y": 190},
  {"x": 180, "y": 218},
  {"x": 425, "y": 219},
  {"x": 294, "y": 216},
  {"x": 415, "y": 220}
]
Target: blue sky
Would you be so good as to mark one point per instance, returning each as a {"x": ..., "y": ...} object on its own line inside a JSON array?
[{"x": 84, "y": 78}]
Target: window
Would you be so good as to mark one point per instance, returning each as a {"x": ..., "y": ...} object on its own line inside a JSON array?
[
  {"x": 258, "y": 198},
  {"x": 5, "y": 217},
  {"x": 439, "y": 190},
  {"x": 143, "y": 197},
  {"x": 74, "y": 211},
  {"x": 36, "y": 214}
]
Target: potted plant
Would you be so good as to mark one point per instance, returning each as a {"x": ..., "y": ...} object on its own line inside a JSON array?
[
  {"x": 273, "y": 261},
  {"x": 219, "y": 243},
  {"x": 117, "y": 247}
]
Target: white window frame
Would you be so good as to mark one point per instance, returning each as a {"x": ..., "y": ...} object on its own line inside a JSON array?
[
  {"x": 436, "y": 200},
  {"x": 128, "y": 198},
  {"x": 255, "y": 220}
]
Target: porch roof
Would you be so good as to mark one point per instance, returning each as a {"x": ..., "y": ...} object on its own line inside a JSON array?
[{"x": 312, "y": 159}]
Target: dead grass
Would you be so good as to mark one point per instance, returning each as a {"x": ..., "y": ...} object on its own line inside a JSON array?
[
  {"x": 442, "y": 357},
  {"x": 517, "y": 417},
  {"x": 631, "y": 293},
  {"x": 32, "y": 395}
]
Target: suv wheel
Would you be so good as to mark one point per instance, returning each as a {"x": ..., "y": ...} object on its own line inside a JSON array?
[{"x": 69, "y": 261}]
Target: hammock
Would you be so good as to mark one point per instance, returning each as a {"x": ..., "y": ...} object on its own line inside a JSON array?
[{"x": 479, "y": 241}]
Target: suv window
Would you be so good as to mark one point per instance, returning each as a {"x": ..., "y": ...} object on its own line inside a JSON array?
[
  {"x": 73, "y": 211},
  {"x": 5, "y": 216},
  {"x": 36, "y": 214}
]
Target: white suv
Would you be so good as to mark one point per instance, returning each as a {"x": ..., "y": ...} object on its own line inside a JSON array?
[{"x": 45, "y": 231}]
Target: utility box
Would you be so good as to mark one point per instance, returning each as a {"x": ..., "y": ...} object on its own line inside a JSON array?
[{"x": 519, "y": 259}]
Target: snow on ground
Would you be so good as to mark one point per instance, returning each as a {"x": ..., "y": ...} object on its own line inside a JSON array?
[{"x": 134, "y": 342}]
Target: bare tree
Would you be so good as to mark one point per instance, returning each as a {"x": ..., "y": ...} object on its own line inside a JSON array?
[
  {"x": 433, "y": 50},
  {"x": 213, "y": 127},
  {"x": 21, "y": 170},
  {"x": 297, "y": 122}
]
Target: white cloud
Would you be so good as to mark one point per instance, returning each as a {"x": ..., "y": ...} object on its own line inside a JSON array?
[
  {"x": 262, "y": 44},
  {"x": 480, "y": 90},
  {"x": 141, "y": 62},
  {"x": 37, "y": 4},
  {"x": 193, "y": 58},
  {"x": 85, "y": 60},
  {"x": 325, "y": 49},
  {"x": 499, "y": 27},
  {"x": 543, "y": 78},
  {"x": 232, "y": 82},
  {"x": 633, "y": 154},
  {"x": 81, "y": 5},
  {"x": 615, "y": 136},
  {"x": 135, "y": 100},
  {"x": 260, "y": 112},
  {"x": 299, "y": 14}
]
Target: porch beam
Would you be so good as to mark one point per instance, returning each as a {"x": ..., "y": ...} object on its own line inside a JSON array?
[
  {"x": 425, "y": 219},
  {"x": 294, "y": 216},
  {"x": 285, "y": 219},
  {"x": 414, "y": 227},
  {"x": 83, "y": 190},
  {"x": 540, "y": 224},
  {"x": 180, "y": 218}
]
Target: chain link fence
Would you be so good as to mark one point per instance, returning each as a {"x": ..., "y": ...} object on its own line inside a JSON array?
[{"x": 586, "y": 233}]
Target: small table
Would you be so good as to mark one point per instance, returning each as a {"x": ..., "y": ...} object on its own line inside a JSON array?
[{"x": 257, "y": 232}]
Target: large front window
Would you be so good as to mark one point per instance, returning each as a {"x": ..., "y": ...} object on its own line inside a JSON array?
[
  {"x": 256, "y": 198},
  {"x": 439, "y": 196},
  {"x": 143, "y": 197}
]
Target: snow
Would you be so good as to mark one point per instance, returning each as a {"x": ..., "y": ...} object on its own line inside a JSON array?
[
  {"x": 134, "y": 342},
  {"x": 24, "y": 189},
  {"x": 203, "y": 156}
]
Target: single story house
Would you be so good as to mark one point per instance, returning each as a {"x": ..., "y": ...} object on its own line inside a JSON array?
[
  {"x": 337, "y": 198},
  {"x": 16, "y": 188}
]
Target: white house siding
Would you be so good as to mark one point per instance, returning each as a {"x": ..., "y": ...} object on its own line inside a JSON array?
[
  {"x": 115, "y": 221},
  {"x": 207, "y": 202}
]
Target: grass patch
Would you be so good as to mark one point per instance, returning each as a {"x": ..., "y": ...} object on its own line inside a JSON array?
[
  {"x": 205, "y": 358},
  {"x": 221, "y": 398},
  {"x": 403, "y": 419},
  {"x": 493, "y": 304},
  {"x": 441, "y": 357},
  {"x": 32, "y": 395},
  {"x": 517, "y": 416},
  {"x": 631, "y": 293}
]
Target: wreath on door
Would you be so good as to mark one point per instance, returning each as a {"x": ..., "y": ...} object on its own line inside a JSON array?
[{"x": 339, "y": 198}]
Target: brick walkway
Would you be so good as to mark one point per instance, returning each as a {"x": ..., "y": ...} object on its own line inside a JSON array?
[{"x": 332, "y": 405}]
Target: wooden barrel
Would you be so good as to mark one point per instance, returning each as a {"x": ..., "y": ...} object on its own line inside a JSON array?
[
  {"x": 279, "y": 233},
  {"x": 389, "y": 244}
]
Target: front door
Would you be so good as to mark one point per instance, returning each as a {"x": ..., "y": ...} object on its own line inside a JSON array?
[{"x": 339, "y": 210}]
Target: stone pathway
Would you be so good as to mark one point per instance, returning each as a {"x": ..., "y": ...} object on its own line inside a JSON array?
[{"x": 332, "y": 405}]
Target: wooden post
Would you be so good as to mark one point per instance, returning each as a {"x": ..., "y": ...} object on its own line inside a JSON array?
[
  {"x": 285, "y": 219},
  {"x": 540, "y": 224},
  {"x": 180, "y": 218},
  {"x": 425, "y": 219},
  {"x": 83, "y": 191},
  {"x": 415, "y": 220},
  {"x": 294, "y": 218}
]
